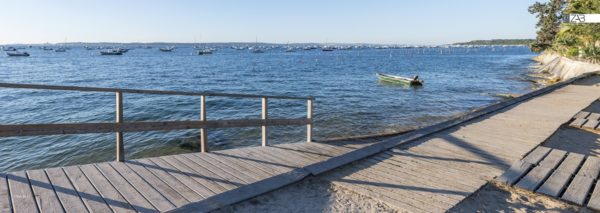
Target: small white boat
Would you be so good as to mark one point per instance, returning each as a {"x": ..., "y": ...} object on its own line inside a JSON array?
[
  {"x": 327, "y": 48},
  {"x": 17, "y": 53},
  {"x": 415, "y": 81},
  {"x": 111, "y": 52},
  {"x": 60, "y": 50},
  {"x": 9, "y": 49},
  {"x": 167, "y": 49},
  {"x": 206, "y": 51}
]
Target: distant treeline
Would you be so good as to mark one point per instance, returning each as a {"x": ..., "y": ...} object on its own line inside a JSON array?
[{"x": 499, "y": 42}]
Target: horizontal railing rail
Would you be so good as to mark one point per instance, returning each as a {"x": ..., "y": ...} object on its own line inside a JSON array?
[
  {"x": 143, "y": 91},
  {"x": 120, "y": 126}
]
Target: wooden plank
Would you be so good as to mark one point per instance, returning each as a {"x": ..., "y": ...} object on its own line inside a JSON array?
[
  {"x": 43, "y": 191},
  {"x": 591, "y": 124},
  {"x": 5, "y": 206},
  {"x": 578, "y": 123},
  {"x": 367, "y": 191},
  {"x": 20, "y": 192},
  {"x": 591, "y": 167},
  {"x": 284, "y": 156},
  {"x": 187, "y": 178},
  {"x": 432, "y": 170},
  {"x": 581, "y": 114},
  {"x": 149, "y": 192},
  {"x": 594, "y": 116},
  {"x": 578, "y": 190},
  {"x": 535, "y": 156},
  {"x": 514, "y": 173},
  {"x": 172, "y": 195},
  {"x": 145, "y": 167},
  {"x": 251, "y": 172},
  {"x": 68, "y": 196},
  {"x": 91, "y": 198},
  {"x": 144, "y": 91},
  {"x": 538, "y": 174},
  {"x": 113, "y": 198},
  {"x": 225, "y": 171},
  {"x": 557, "y": 182},
  {"x": 273, "y": 169},
  {"x": 594, "y": 202},
  {"x": 137, "y": 126},
  {"x": 211, "y": 180},
  {"x": 133, "y": 197}
]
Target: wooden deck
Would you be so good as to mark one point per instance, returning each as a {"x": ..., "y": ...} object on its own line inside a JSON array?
[
  {"x": 556, "y": 173},
  {"x": 164, "y": 183},
  {"x": 435, "y": 173}
]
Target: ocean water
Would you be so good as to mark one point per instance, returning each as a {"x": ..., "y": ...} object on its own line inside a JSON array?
[{"x": 349, "y": 100}]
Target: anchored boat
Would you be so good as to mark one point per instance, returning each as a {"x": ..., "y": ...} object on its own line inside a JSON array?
[
  {"x": 415, "y": 81},
  {"x": 17, "y": 53}
]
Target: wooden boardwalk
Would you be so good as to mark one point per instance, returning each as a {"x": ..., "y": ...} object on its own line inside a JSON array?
[
  {"x": 557, "y": 173},
  {"x": 435, "y": 173},
  {"x": 164, "y": 183}
]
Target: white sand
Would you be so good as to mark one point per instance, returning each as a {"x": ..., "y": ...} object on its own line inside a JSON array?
[
  {"x": 310, "y": 195},
  {"x": 492, "y": 198}
]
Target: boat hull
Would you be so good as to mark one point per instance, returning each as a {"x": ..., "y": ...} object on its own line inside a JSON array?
[{"x": 399, "y": 80}]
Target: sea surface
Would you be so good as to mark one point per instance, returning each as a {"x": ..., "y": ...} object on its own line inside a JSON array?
[{"x": 349, "y": 100}]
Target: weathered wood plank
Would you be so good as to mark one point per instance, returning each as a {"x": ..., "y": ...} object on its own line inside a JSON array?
[
  {"x": 91, "y": 198},
  {"x": 590, "y": 168},
  {"x": 5, "y": 206},
  {"x": 578, "y": 123},
  {"x": 535, "y": 156},
  {"x": 534, "y": 178},
  {"x": 244, "y": 192},
  {"x": 44, "y": 192},
  {"x": 145, "y": 168},
  {"x": 582, "y": 183},
  {"x": 591, "y": 124},
  {"x": 68, "y": 196},
  {"x": 594, "y": 202},
  {"x": 256, "y": 173},
  {"x": 279, "y": 155},
  {"x": 135, "y": 198},
  {"x": 190, "y": 179},
  {"x": 172, "y": 195},
  {"x": 594, "y": 116},
  {"x": 581, "y": 114},
  {"x": 210, "y": 179},
  {"x": 113, "y": 198},
  {"x": 244, "y": 156},
  {"x": 557, "y": 182},
  {"x": 229, "y": 164},
  {"x": 21, "y": 194},
  {"x": 514, "y": 173},
  {"x": 225, "y": 171},
  {"x": 367, "y": 191},
  {"x": 578, "y": 190},
  {"x": 149, "y": 192}
]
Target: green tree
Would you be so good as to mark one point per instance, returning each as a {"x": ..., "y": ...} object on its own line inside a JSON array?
[{"x": 549, "y": 15}]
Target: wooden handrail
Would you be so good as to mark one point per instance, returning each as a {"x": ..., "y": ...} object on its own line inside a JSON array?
[
  {"x": 84, "y": 128},
  {"x": 120, "y": 126},
  {"x": 142, "y": 91}
]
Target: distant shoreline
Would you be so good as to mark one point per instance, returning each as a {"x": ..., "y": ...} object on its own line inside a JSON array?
[{"x": 498, "y": 42}]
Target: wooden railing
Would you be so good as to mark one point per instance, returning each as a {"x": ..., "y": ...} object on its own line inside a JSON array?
[{"x": 120, "y": 126}]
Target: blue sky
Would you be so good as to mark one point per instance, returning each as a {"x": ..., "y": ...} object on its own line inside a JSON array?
[{"x": 376, "y": 21}]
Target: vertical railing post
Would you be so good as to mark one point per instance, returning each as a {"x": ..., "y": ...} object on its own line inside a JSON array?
[
  {"x": 264, "y": 116},
  {"x": 309, "y": 115},
  {"x": 119, "y": 119},
  {"x": 203, "y": 131}
]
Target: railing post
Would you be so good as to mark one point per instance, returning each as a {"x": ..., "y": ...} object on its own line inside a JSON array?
[
  {"x": 309, "y": 115},
  {"x": 203, "y": 131},
  {"x": 264, "y": 117},
  {"x": 119, "y": 119}
]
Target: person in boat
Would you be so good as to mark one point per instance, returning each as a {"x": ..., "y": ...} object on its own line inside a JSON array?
[{"x": 416, "y": 78}]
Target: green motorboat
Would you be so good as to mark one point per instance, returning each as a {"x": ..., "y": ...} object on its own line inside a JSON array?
[{"x": 415, "y": 81}]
